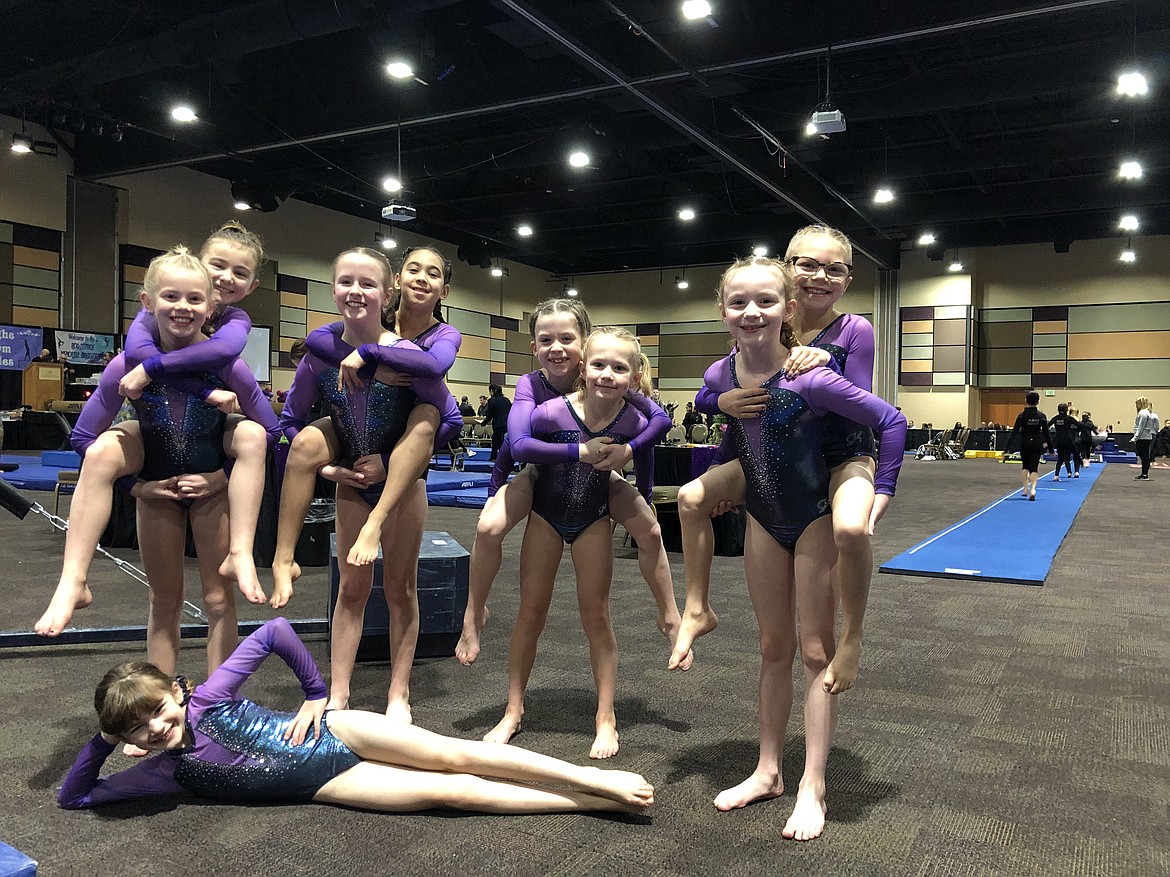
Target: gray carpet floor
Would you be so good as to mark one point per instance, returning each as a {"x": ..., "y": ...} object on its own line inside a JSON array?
[{"x": 996, "y": 729}]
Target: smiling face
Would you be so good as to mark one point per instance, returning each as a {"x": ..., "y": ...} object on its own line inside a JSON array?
[
  {"x": 232, "y": 268},
  {"x": 422, "y": 280},
  {"x": 360, "y": 288},
  {"x": 817, "y": 292},
  {"x": 609, "y": 368},
  {"x": 161, "y": 726},
  {"x": 755, "y": 306},
  {"x": 181, "y": 303},
  {"x": 558, "y": 347}
]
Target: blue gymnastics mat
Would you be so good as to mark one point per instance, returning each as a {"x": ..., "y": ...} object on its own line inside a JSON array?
[
  {"x": 1011, "y": 540},
  {"x": 444, "y": 480},
  {"x": 468, "y": 498},
  {"x": 32, "y": 474}
]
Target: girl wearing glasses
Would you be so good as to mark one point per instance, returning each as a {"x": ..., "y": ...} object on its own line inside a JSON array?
[{"x": 820, "y": 260}]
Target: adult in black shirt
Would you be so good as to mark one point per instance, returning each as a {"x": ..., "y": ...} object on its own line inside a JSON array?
[
  {"x": 1032, "y": 428},
  {"x": 495, "y": 412},
  {"x": 691, "y": 418},
  {"x": 465, "y": 408}
]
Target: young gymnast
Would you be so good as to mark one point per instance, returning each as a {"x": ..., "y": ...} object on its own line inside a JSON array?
[
  {"x": 1065, "y": 429},
  {"x": 420, "y": 285},
  {"x": 787, "y": 556},
  {"x": 559, "y": 327},
  {"x": 233, "y": 256},
  {"x": 212, "y": 743},
  {"x": 570, "y": 505},
  {"x": 1032, "y": 428},
  {"x": 821, "y": 262},
  {"x": 368, "y": 418},
  {"x": 182, "y": 443}
]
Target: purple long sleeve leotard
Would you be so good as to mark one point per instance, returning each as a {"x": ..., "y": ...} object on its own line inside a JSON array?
[
  {"x": 236, "y": 751},
  {"x": 571, "y": 495},
  {"x": 181, "y": 435},
  {"x": 783, "y": 462},
  {"x": 177, "y": 368},
  {"x": 427, "y": 357},
  {"x": 532, "y": 390}
]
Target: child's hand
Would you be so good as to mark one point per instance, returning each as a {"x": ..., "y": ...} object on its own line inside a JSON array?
[
  {"x": 133, "y": 383},
  {"x": 225, "y": 400},
  {"x": 743, "y": 403},
  {"x": 309, "y": 714},
  {"x": 614, "y": 457},
  {"x": 804, "y": 359},
  {"x": 386, "y": 375},
  {"x": 881, "y": 502},
  {"x": 168, "y": 488},
  {"x": 347, "y": 372},
  {"x": 371, "y": 468},
  {"x": 341, "y": 475},
  {"x": 724, "y": 506},
  {"x": 201, "y": 485},
  {"x": 590, "y": 451}
]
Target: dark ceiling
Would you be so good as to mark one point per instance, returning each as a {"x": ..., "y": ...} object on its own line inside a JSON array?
[{"x": 995, "y": 122}]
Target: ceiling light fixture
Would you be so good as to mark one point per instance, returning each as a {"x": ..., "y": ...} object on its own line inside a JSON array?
[
  {"x": 760, "y": 250},
  {"x": 1128, "y": 255},
  {"x": 1130, "y": 170},
  {"x": 579, "y": 158},
  {"x": 1132, "y": 84},
  {"x": 525, "y": 231},
  {"x": 400, "y": 70},
  {"x": 385, "y": 241},
  {"x": 695, "y": 9},
  {"x": 1129, "y": 222},
  {"x": 686, "y": 214},
  {"x": 184, "y": 113},
  {"x": 884, "y": 195},
  {"x": 242, "y": 205},
  {"x": 571, "y": 291},
  {"x": 392, "y": 184},
  {"x": 956, "y": 264},
  {"x": 681, "y": 282},
  {"x": 21, "y": 144},
  {"x": 926, "y": 239}
]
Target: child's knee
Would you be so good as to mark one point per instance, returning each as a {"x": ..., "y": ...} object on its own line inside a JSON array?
[
  {"x": 353, "y": 592},
  {"x": 401, "y": 591},
  {"x": 851, "y": 535},
  {"x": 308, "y": 446},
  {"x": 780, "y": 649},
  {"x": 249, "y": 439},
  {"x": 218, "y": 602},
  {"x": 644, "y": 528},
  {"x": 816, "y": 655},
  {"x": 692, "y": 499}
]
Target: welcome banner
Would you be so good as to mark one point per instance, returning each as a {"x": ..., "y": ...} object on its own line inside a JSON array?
[{"x": 86, "y": 348}]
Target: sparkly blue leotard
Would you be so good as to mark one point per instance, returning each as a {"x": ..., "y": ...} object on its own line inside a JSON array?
[
  {"x": 783, "y": 463},
  {"x": 237, "y": 750},
  {"x": 570, "y": 495},
  {"x": 849, "y": 340}
]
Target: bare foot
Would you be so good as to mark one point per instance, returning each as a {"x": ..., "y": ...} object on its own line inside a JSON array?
[
  {"x": 508, "y": 727},
  {"x": 399, "y": 711},
  {"x": 693, "y": 625},
  {"x": 669, "y": 627},
  {"x": 605, "y": 744},
  {"x": 365, "y": 547},
  {"x": 66, "y": 600},
  {"x": 241, "y": 569},
  {"x": 283, "y": 576},
  {"x": 808, "y": 816},
  {"x": 134, "y": 751},
  {"x": 757, "y": 787},
  {"x": 467, "y": 649},
  {"x": 622, "y": 786},
  {"x": 842, "y": 670}
]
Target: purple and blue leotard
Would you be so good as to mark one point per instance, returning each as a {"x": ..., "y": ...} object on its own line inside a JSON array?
[
  {"x": 180, "y": 368},
  {"x": 570, "y": 495},
  {"x": 783, "y": 463},
  {"x": 534, "y": 389},
  {"x": 237, "y": 752},
  {"x": 428, "y": 358}
]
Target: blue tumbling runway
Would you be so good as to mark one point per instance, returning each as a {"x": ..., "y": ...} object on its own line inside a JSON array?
[{"x": 1011, "y": 540}]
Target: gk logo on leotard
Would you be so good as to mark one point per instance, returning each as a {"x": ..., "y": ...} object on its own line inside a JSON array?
[{"x": 853, "y": 438}]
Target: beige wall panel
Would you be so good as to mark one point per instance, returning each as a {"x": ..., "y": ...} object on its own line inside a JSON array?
[
  {"x": 1049, "y": 327},
  {"x": 35, "y": 317},
  {"x": 32, "y": 258},
  {"x": 911, "y": 327},
  {"x": 1131, "y": 345},
  {"x": 134, "y": 274},
  {"x": 475, "y": 347},
  {"x": 1048, "y": 368},
  {"x": 917, "y": 365},
  {"x": 711, "y": 345},
  {"x": 317, "y": 319},
  {"x": 294, "y": 299}
]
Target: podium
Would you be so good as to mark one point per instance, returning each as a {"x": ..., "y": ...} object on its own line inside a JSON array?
[{"x": 42, "y": 381}]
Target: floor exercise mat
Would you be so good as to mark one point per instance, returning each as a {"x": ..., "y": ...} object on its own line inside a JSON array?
[
  {"x": 443, "y": 480},
  {"x": 1011, "y": 540},
  {"x": 468, "y": 498}
]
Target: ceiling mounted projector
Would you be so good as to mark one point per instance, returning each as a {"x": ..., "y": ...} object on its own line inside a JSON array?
[
  {"x": 396, "y": 211},
  {"x": 826, "y": 119}
]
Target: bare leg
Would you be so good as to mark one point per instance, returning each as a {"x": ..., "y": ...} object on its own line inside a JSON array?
[
  {"x": 851, "y": 494},
  {"x": 628, "y": 508},
  {"x": 246, "y": 442},
  {"x": 379, "y": 740},
  {"x": 209, "y": 526},
  {"x": 116, "y": 452},
  {"x": 503, "y": 512},
  {"x": 593, "y": 561},
  {"x": 310, "y": 450},
  {"x": 408, "y": 462},
  {"x": 353, "y": 591},
  {"x": 695, "y": 503},
  {"x": 540, "y": 555},
  {"x": 769, "y": 571},
  {"x": 818, "y": 610},
  {"x": 162, "y": 533},
  {"x": 402, "y": 537}
]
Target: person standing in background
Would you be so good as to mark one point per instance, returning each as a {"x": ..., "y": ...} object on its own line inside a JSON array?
[
  {"x": 1145, "y": 427},
  {"x": 495, "y": 411}
]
